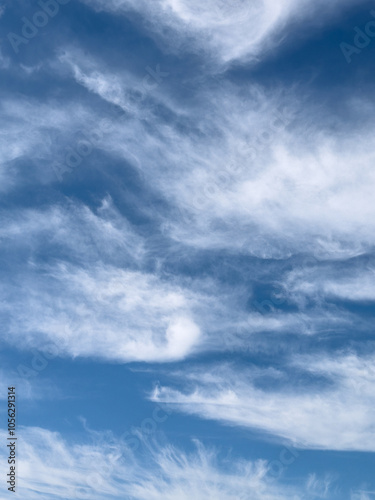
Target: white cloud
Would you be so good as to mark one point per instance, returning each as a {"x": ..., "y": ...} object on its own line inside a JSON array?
[
  {"x": 293, "y": 190},
  {"x": 26, "y": 389},
  {"x": 227, "y": 31},
  {"x": 290, "y": 197},
  {"x": 259, "y": 172},
  {"x": 362, "y": 495},
  {"x": 103, "y": 312},
  {"x": 336, "y": 416},
  {"x": 249, "y": 171},
  {"x": 356, "y": 283},
  {"x": 99, "y": 302},
  {"x": 50, "y": 466},
  {"x": 35, "y": 134},
  {"x": 73, "y": 228}
]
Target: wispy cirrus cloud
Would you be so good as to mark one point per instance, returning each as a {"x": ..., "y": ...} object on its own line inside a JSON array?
[
  {"x": 334, "y": 413},
  {"x": 252, "y": 188},
  {"x": 74, "y": 229},
  {"x": 103, "y": 312},
  {"x": 354, "y": 283},
  {"x": 92, "y": 307},
  {"x": 50, "y": 466},
  {"x": 226, "y": 32},
  {"x": 110, "y": 286},
  {"x": 184, "y": 231},
  {"x": 257, "y": 171}
]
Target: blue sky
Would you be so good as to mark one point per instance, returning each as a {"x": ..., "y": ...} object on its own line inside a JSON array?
[{"x": 187, "y": 248}]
